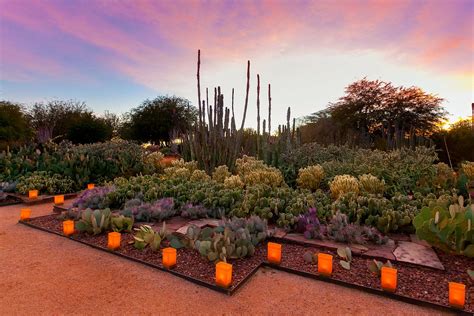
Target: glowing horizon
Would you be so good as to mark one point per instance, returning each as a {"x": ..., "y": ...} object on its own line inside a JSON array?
[{"x": 115, "y": 54}]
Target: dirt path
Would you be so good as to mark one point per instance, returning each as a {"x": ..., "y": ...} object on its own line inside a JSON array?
[{"x": 44, "y": 274}]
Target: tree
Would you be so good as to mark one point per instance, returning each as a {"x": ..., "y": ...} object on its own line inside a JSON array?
[
  {"x": 459, "y": 140},
  {"x": 14, "y": 125},
  {"x": 52, "y": 120},
  {"x": 377, "y": 111},
  {"x": 159, "y": 120},
  {"x": 88, "y": 128}
]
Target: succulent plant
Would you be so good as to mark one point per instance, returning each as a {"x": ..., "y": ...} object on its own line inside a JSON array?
[
  {"x": 221, "y": 173},
  {"x": 471, "y": 274},
  {"x": 154, "y": 159},
  {"x": 199, "y": 175},
  {"x": 94, "y": 221},
  {"x": 233, "y": 182},
  {"x": 346, "y": 254},
  {"x": 44, "y": 182},
  {"x": 121, "y": 223},
  {"x": 308, "y": 224},
  {"x": 341, "y": 230},
  {"x": 371, "y": 184},
  {"x": 146, "y": 212},
  {"x": 194, "y": 211},
  {"x": 95, "y": 198},
  {"x": 310, "y": 177},
  {"x": 146, "y": 236},
  {"x": 468, "y": 169},
  {"x": 343, "y": 184},
  {"x": 235, "y": 238},
  {"x": 376, "y": 266},
  {"x": 447, "y": 228},
  {"x": 71, "y": 214},
  {"x": 310, "y": 257}
]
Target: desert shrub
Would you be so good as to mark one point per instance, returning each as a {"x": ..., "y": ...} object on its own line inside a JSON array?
[
  {"x": 341, "y": 230},
  {"x": 402, "y": 170},
  {"x": 44, "y": 182},
  {"x": 445, "y": 177},
  {"x": 343, "y": 184},
  {"x": 82, "y": 163},
  {"x": 154, "y": 159},
  {"x": 310, "y": 177}
]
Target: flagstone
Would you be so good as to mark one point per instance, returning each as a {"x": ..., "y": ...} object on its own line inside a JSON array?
[{"x": 417, "y": 254}]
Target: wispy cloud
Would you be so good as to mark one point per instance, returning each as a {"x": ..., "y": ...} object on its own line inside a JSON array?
[{"x": 154, "y": 42}]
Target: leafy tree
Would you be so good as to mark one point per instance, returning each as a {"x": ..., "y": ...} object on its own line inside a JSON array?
[
  {"x": 159, "y": 120},
  {"x": 377, "y": 111},
  {"x": 52, "y": 120},
  {"x": 88, "y": 128},
  {"x": 14, "y": 125},
  {"x": 459, "y": 140}
]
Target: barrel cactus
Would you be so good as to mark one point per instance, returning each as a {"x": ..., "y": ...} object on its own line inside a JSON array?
[
  {"x": 447, "y": 228},
  {"x": 310, "y": 177},
  {"x": 233, "y": 182},
  {"x": 343, "y": 184},
  {"x": 371, "y": 184},
  {"x": 468, "y": 169},
  {"x": 199, "y": 175}
]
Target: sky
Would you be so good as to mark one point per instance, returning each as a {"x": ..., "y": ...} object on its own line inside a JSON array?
[{"x": 114, "y": 54}]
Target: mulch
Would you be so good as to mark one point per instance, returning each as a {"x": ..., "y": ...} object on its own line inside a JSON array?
[
  {"x": 10, "y": 200},
  {"x": 417, "y": 282}
]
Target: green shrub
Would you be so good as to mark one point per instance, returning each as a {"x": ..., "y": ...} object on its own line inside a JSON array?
[{"x": 82, "y": 163}]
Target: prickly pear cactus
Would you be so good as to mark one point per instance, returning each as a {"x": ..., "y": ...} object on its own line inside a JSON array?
[{"x": 447, "y": 228}]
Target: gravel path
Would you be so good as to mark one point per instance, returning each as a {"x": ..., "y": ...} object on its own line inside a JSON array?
[{"x": 45, "y": 274}]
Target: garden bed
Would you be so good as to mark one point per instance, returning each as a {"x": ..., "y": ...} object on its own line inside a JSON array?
[
  {"x": 417, "y": 285},
  {"x": 41, "y": 198}
]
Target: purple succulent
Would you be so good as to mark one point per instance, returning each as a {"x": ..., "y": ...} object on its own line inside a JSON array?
[{"x": 94, "y": 198}]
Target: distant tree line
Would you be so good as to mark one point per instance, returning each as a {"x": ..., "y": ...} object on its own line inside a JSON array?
[
  {"x": 156, "y": 121},
  {"x": 371, "y": 114}
]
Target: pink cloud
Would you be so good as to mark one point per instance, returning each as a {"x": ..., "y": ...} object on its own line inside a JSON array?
[{"x": 149, "y": 40}]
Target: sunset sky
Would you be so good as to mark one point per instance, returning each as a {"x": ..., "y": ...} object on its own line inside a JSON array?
[{"x": 114, "y": 54}]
